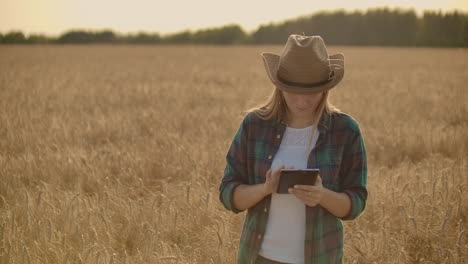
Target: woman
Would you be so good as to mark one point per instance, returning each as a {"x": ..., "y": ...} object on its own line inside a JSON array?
[{"x": 296, "y": 128}]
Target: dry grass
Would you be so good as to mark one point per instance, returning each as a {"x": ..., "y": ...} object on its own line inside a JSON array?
[{"x": 114, "y": 154}]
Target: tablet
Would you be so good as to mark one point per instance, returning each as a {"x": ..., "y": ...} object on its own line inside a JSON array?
[{"x": 290, "y": 177}]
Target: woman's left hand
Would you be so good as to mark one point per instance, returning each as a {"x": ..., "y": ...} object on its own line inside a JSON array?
[{"x": 311, "y": 195}]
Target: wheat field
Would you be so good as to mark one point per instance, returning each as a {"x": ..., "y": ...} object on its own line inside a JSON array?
[{"x": 114, "y": 154}]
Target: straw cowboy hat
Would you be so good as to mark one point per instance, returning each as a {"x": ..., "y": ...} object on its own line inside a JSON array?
[{"x": 304, "y": 66}]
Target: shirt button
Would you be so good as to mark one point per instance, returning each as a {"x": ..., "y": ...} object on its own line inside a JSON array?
[
  {"x": 278, "y": 136},
  {"x": 269, "y": 157},
  {"x": 265, "y": 210},
  {"x": 259, "y": 236}
]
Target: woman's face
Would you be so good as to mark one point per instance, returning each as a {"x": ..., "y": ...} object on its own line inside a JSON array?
[{"x": 301, "y": 105}]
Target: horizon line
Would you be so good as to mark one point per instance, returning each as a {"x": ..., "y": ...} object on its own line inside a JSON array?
[{"x": 419, "y": 14}]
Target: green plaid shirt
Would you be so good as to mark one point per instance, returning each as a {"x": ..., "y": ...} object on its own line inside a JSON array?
[{"x": 340, "y": 155}]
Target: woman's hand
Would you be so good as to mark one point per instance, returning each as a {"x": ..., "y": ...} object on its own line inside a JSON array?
[
  {"x": 272, "y": 180},
  {"x": 311, "y": 195}
]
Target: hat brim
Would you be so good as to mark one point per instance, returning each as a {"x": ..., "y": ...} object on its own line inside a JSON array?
[{"x": 271, "y": 62}]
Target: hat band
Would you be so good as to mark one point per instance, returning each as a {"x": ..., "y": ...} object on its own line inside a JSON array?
[{"x": 306, "y": 85}]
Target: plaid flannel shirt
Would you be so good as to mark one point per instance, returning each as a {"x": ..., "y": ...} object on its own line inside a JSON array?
[{"x": 339, "y": 154}]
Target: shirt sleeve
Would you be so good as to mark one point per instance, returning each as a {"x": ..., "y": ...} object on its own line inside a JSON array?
[
  {"x": 235, "y": 172},
  {"x": 354, "y": 174}
]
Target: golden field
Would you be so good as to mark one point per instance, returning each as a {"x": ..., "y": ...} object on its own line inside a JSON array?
[{"x": 114, "y": 154}]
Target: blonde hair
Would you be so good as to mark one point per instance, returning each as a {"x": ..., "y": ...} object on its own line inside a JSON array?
[{"x": 275, "y": 107}]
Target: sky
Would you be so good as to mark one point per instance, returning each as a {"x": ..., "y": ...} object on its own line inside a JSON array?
[{"x": 53, "y": 17}]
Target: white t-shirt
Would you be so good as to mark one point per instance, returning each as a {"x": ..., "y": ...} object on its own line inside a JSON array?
[{"x": 285, "y": 231}]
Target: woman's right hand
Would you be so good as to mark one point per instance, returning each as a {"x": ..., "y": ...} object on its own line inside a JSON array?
[{"x": 272, "y": 179}]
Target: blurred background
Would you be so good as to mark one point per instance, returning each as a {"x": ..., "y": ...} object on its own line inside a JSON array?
[
  {"x": 386, "y": 23},
  {"x": 116, "y": 116}
]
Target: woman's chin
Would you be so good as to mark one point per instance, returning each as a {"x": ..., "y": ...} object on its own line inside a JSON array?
[{"x": 303, "y": 110}]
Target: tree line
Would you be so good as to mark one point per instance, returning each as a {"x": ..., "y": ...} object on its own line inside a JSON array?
[{"x": 378, "y": 26}]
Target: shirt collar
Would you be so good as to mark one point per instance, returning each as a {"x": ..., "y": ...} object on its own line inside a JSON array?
[{"x": 323, "y": 125}]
